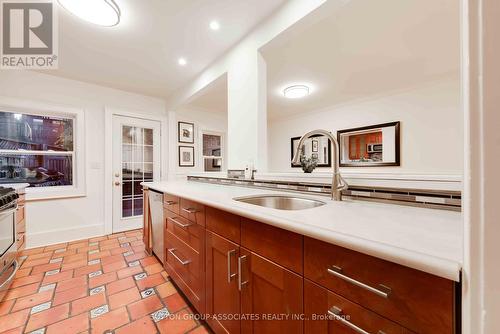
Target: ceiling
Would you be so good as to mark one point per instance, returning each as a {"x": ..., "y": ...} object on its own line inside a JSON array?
[
  {"x": 140, "y": 54},
  {"x": 212, "y": 98},
  {"x": 363, "y": 49}
]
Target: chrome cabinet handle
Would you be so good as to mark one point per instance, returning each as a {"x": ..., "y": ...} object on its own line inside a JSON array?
[
  {"x": 189, "y": 210},
  {"x": 240, "y": 281},
  {"x": 336, "y": 313},
  {"x": 229, "y": 274},
  {"x": 170, "y": 202},
  {"x": 337, "y": 272},
  {"x": 172, "y": 251},
  {"x": 176, "y": 222}
]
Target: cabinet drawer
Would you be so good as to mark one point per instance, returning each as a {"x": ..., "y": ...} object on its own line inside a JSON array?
[
  {"x": 224, "y": 224},
  {"x": 187, "y": 231},
  {"x": 193, "y": 211},
  {"x": 20, "y": 213},
  {"x": 419, "y": 301},
  {"x": 327, "y": 312},
  {"x": 281, "y": 246},
  {"x": 171, "y": 203},
  {"x": 186, "y": 267}
]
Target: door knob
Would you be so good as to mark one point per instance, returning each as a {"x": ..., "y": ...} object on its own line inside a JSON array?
[
  {"x": 117, "y": 175},
  {"x": 117, "y": 183}
]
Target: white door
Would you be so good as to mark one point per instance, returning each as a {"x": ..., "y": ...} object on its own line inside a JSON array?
[{"x": 136, "y": 158}]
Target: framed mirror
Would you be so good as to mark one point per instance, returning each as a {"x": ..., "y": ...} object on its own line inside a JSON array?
[
  {"x": 316, "y": 146},
  {"x": 370, "y": 146}
]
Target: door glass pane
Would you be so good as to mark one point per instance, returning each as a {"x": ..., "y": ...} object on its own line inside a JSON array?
[{"x": 137, "y": 162}]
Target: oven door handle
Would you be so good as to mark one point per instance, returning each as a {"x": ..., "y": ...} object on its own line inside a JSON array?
[
  {"x": 11, "y": 276},
  {"x": 8, "y": 212}
]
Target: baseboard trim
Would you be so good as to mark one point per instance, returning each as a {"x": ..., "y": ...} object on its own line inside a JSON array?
[{"x": 57, "y": 236}]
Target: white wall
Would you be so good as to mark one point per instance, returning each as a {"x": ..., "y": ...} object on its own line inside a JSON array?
[
  {"x": 431, "y": 128},
  {"x": 51, "y": 221},
  {"x": 203, "y": 120}
]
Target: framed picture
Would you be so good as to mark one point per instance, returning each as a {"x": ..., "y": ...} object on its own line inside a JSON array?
[
  {"x": 318, "y": 145},
  {"x": 315, "y": 145},
  {"x": 186, "y": 132},
  {"x": 186, "y": 156},
  {"x": 370, "y": 146}
]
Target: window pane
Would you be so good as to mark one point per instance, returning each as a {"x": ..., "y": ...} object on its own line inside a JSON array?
[
  {"x": 127, "y": 208},
  {"x": 148, "y": 153},
  {"x": 127, "y": 188},
  {"x": 148, "y": 171},
  {"x": 127, "y": 172},
  {"x": 137, "y": 188},
  {"x": 213, "y": 165},
  {"x": 127, "y": 153},
  {"x": 148, "y": 136},
  {"x": 137, "y": 136},
  {"x": 211, "y": 145},
  {"x": 127, "y": 132},
  {"x": 37, "y": 170},
  {"x": 138, "y": 206},
  {"x": 35, "y": 133},
  {"x": 137, "y": 153}
]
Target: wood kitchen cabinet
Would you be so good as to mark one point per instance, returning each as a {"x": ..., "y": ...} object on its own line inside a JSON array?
[
  {"x": 222, "y": 294},
  {"x": 272, "y": 293},
  {"x": 251, "y": 277},
  {"x": 327, "y": 312}
]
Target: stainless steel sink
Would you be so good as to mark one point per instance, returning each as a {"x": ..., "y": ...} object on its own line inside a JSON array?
[{"x": 281, "y": 202}]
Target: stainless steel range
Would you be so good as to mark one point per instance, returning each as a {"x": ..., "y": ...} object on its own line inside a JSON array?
[{"x": 8, "y": 250}]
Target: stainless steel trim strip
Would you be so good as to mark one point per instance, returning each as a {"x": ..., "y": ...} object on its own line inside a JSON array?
[
  {"x": 189, "y": 210},
  {"x": 336, "y": 312},
  {"x": 229, "y": 274},
  {"x": 337, "y": 272},
  {"x": 175, "y": 221},
  {"x": 240, "y": 281},
  {"x": 172, "y": 251}
]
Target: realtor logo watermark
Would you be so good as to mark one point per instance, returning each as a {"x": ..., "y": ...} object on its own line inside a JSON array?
[{"x": 29, "y": 34}]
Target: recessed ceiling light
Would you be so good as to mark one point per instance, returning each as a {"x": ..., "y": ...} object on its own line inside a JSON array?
[
  {"x": 182, "y": 61},
  {"x": 214, "y": 25},
  {"x": 101, "y": 12},
  {"x": 296, "y": 91}
]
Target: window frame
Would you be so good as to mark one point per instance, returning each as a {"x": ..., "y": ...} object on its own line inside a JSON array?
[
  {"x": 222, "y": 150},
  {"x": 31, "y": 107}
]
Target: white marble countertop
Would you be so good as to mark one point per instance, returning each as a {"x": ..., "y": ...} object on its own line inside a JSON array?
[{"x": 424, "y": 239}]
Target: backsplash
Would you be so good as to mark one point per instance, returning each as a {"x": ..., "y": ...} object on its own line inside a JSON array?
[{"x": 435, "y": 199}]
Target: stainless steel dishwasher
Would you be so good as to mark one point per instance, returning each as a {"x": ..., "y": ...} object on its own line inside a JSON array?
[{"x": 156, "y": 205}]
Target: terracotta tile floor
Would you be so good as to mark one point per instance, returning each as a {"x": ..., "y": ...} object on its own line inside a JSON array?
[{"x": 101, "y": 285}]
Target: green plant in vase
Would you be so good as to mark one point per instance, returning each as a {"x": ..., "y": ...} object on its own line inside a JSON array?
[{"x": 308, "y": 164}]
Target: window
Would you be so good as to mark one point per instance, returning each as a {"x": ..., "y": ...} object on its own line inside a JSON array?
[
  {"x": 212, "y": 152},
  {"x": 36, "y": 149}
]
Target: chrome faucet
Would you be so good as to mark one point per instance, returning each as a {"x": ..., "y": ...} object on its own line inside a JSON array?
[{"x": 338, "y": 183}]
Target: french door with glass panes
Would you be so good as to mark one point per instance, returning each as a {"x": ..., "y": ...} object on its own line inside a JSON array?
[{"x": 136, "y": 159}]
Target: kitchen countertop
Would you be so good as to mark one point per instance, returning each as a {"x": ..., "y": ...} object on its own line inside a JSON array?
[
  {"x": 424, "y": 239},
  {"x": 15, "y": 186}
]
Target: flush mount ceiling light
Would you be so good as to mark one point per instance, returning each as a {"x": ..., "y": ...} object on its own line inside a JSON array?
[
  {"x": 182, "y": 61},
  {"x": 101, "y": 12},
  {"x": 214, "y": 25},
  {"x": 296, "y": 91}
]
